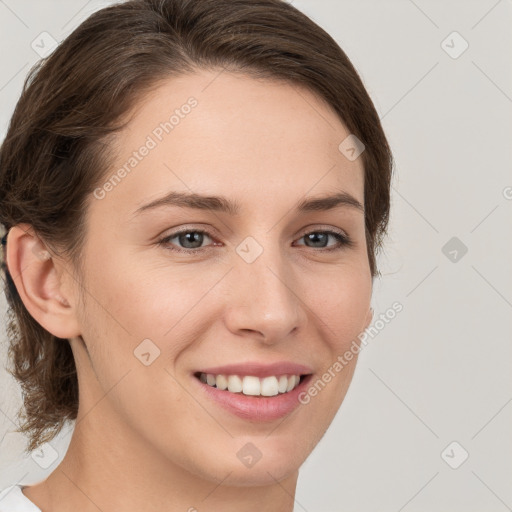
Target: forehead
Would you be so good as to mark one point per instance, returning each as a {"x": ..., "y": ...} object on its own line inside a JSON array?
[{"x": 216, "y": 132}]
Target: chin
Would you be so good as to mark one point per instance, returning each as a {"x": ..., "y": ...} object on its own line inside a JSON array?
[
  {"x": 261, "y": 474},
  {"x": 249, "y": 466}
]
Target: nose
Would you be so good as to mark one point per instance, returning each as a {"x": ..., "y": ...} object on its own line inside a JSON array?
[{"x": 263, "y": 303}]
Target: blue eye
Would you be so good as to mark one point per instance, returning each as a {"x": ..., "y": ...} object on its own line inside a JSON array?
[
  {"x": 323, "y": 236},
  {"x": 195, "y": 241},
  {"x": 192, "y": 244}
]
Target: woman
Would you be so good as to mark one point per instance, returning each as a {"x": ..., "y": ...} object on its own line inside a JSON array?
[{"x": 194, "y": 194}]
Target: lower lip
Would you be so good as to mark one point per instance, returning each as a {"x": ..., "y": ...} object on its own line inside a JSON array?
[{"x": 256, "y": 408}]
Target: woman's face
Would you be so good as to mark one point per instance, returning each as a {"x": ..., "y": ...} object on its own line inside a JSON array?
[{"x": 265, "y": 285}]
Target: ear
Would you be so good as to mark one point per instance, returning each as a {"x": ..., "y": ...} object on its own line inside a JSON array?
[{"x": 40, "y": 280}]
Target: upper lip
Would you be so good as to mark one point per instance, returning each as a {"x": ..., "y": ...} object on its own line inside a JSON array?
[{"x": 259, "y": 369}]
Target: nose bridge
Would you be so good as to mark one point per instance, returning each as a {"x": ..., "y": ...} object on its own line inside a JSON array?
[{"x": 265, "y": 291}]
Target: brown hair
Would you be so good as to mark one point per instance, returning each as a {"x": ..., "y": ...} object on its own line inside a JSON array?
[{"x": 58, "y": 146}]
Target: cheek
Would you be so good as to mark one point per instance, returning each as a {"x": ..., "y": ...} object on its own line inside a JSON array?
[
  {"x": 341, "y": 300},
  {"x": 128, "y": 303},
  {"x": 137, "y": 300}
]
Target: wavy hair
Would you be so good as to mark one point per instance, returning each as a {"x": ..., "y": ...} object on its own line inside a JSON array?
[{"x": 58, "y": 149}]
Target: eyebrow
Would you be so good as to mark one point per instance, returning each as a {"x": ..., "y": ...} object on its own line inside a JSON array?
[{"x": 223, "y": 204}]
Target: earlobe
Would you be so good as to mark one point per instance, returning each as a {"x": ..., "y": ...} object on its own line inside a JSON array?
[{"x": 38, "y": 282}]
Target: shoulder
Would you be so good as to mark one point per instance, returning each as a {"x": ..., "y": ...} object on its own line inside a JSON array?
[{"x": 13, "y": 500}]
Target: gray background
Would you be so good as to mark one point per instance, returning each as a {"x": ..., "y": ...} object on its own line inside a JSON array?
[{"x": 441, "y": 370}]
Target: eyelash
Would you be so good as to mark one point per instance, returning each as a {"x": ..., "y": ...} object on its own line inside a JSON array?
[{"x": 344, "y": 241}]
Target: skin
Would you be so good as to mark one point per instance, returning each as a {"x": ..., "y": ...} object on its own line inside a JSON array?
[{"x": 145, "y": 438}]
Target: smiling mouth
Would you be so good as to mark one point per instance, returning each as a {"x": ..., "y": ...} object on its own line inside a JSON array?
[{"x": 250, "y": 385}]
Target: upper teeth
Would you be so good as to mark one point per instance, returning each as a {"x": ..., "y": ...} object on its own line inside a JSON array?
[{"x": 250, "y": 385}]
